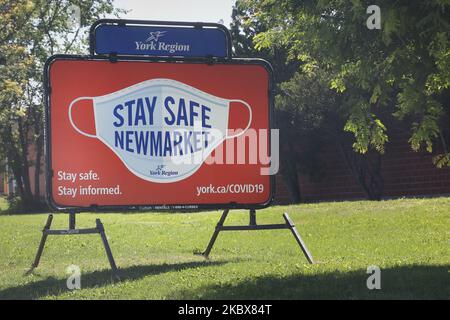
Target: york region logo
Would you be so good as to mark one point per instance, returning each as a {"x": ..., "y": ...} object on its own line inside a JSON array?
[
  {"x": 154, "y": 36},
  {"x": 153, "y": 43}
]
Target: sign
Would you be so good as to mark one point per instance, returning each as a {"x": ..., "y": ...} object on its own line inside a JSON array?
[
  {"x": 179, "y": 39},
  {"x": 147, "y": 134}
]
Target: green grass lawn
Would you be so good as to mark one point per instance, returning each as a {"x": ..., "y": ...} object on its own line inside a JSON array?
[{"x": 408, "y": 239}]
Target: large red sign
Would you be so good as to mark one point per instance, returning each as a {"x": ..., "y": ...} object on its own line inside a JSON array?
[{"x": 157, "y": 134}]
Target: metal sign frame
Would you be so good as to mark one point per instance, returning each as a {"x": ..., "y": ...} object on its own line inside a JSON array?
[
  {"x": 154, "y": 23},
  {"x": 146, "y": 207}
]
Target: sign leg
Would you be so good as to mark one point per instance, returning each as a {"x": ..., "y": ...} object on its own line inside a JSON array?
[
  {"x": 101, "y": 230},
  {"x": 41, "y": 244},
  {"x": 216, "y": 233},
  {"x": 298, "y": 238},
  {"x": 72, "y": 220},
  {"x": 252, "y": 221}
]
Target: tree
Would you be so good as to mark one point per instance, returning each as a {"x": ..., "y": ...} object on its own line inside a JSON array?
[
  {"x": 311, "y": 119},
  {"x": 242, "y": 35},
  {"x": 309, "y": 114},
  {"x": 402, "y": 69},
  {"x": 31, "y": 31}
]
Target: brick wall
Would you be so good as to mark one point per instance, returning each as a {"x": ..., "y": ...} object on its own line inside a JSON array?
[{"x": 405, "y": 173}]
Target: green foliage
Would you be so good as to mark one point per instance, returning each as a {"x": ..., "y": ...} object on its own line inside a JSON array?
[
  {"x": 307, "y": 118},
  {"x": 243, "y": 32},
  {"x": 314, "y": 103},
  {"x": 31, "y": 31},
  {"x": 402, "y": 69},
  {"x": 441, "y": 160},
  {"x": 308, "y": 100}
]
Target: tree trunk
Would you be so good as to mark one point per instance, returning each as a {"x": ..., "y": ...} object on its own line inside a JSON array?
[
  {"x": 366, "y": 169},
  {"x": 37, "y": 172},
  {"x": 37, "y": 161},
  {"x": 27, "y": 197},
  {"x": 17, "y": 174},
  {"x": 14, "y": 161},
  {"x": 289, "y": 172},
  {"x": 22, "y": 167}
]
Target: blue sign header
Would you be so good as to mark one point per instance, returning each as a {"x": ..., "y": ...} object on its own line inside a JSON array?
[{"x": 171, "y": 41}]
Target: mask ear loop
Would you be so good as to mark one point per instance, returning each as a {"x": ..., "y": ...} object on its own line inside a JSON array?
[
  {"x": 249, "y": 119},
  {"x": 71, "y": 120}
]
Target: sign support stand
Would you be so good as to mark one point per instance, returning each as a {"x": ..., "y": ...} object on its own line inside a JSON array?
[
  {"x": 99, "y": 229},
  {"x": 254, "y": 226}
]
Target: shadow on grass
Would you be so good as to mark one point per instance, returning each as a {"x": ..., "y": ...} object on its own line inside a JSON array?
[
  {"x": 406, "y": 282},
  {"x": 53, "y": 286}
]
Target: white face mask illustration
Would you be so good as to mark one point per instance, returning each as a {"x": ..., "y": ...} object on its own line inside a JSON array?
[{"x": 161, "y": 129}]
